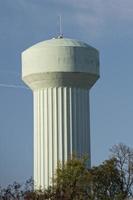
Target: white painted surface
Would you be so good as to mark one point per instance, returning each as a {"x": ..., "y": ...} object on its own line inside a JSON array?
[
  {"x": 60, "y": 55},
  {"x": 61, "y": 127},
  {"x": 60, "y": 72}
]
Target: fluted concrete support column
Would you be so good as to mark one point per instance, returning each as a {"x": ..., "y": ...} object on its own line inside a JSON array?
[{"x": 61, "y": 128}]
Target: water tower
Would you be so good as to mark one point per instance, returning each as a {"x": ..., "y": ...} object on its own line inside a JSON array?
[{"x": 60, "y": 72}]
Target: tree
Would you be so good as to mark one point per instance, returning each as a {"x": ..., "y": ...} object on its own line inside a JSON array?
[
  {"x": 105, "y": 181},
  {"x": 12, "y": 192},
  {"x": 111, "y": 180},
  {"x": 71, "y": 182},
  {"x": 124, "y": 162},
  {"x": 75, "y": 182}
]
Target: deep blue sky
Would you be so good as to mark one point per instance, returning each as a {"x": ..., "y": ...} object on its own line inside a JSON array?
[{"x": 106, "y": 25}]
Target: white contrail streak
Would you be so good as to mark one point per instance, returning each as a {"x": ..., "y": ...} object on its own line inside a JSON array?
[{"x": 13, "y": 86}]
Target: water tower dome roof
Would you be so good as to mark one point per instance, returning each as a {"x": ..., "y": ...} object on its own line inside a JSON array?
[{"x": 56, "y": 42}]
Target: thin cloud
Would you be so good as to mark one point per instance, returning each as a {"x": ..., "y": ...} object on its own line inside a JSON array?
[{"x": 95, "y": 16}]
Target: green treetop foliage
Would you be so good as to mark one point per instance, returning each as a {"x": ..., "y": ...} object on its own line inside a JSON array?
[
  {"x": 71, "y": 180},
  {"x": 105, "y": 181},
  {"x": 111, "y": 180}
]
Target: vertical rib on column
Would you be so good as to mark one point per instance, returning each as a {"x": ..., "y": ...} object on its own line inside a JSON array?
[
  {"x": 88, "y": 129},
  {"x": 35, "y": 137},
  {"x": 41, "y": 138},
  {"x": 38, "y": 141},
  {"x": 50, "y": 131},
  {"x": 70, "y": 103},
  {"x": 46, "y": 161},
  {"x": 74, "y": 119},
  {"x": 65, "y": 130},
  {"x": 55, "y": 129},
  {"x": 60, "y": 124}
]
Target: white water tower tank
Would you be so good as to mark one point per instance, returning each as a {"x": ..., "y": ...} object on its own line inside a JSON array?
[{"x": 60, "y": 73}]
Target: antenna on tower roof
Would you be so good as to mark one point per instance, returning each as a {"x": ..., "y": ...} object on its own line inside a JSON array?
[{"x": 60, "y": 27}]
